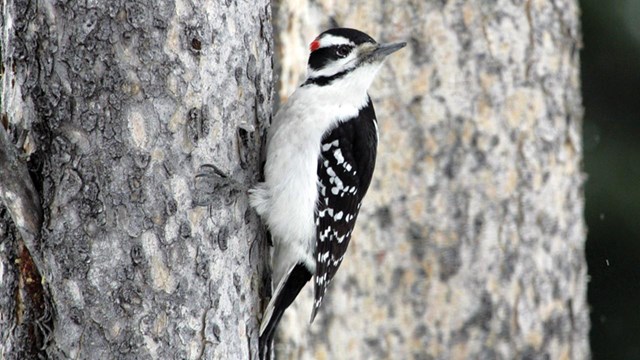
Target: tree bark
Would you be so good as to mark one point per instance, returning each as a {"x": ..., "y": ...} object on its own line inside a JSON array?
[
  {"x": 470, "y": 243},
  {"x": 130, "y": 130}
]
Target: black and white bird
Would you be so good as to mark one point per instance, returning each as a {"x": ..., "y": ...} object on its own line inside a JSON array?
[{"x": 321, "y": 152}]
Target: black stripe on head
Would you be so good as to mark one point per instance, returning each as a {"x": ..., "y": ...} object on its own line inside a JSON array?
[{"x": 323, "y": 56}]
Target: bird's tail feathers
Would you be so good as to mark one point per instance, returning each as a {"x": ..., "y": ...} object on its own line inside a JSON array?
[{"x": 287, "y": 290}]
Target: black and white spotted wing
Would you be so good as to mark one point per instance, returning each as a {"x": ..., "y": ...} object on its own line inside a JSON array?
[{"x": 345, "y": 168}]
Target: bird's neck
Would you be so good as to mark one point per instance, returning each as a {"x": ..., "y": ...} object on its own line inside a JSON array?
[{"x": 343, "y": 90}]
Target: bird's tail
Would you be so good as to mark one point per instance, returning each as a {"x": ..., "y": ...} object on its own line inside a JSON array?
[{"x": 287, "y": 290}]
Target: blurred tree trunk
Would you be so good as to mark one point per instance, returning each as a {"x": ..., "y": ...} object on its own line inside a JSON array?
[
  {"x": 110, "y": 110},
  {"x": 471, "y": 242}
]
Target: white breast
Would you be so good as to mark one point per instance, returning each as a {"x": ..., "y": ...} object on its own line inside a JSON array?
[{"x": 287, "y": 198}]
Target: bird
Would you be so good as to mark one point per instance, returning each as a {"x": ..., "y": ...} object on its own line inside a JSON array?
[{"x": 320, "y": 157}]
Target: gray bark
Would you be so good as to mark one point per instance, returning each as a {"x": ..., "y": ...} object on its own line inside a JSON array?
[
  {"x": 470, "y": 243},
  {"x": 111, "y": 110}
]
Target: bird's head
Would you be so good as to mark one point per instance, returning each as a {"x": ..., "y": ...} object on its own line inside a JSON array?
[{"x": 346, "y": 56}]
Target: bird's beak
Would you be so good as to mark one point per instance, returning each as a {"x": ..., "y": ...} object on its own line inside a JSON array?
[
  {"x": 384, "y": 50},
  {"x": 376, "y": 53}
]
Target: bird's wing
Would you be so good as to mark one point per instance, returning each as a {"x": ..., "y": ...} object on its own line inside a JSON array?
[{"x": 345, "y": 168}]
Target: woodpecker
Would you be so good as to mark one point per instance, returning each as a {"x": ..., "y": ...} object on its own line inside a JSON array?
[{"x": 321, "y": 152}]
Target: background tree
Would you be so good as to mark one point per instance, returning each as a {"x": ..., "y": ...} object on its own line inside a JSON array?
[
  {"x": 110, "y": 110},
  {"x": 470, "y": 244}
]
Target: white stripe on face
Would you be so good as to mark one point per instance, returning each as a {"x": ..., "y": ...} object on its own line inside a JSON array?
[{"x": 331, "y": 40}]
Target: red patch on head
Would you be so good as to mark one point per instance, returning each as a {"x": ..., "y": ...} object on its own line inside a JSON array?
[{"x": 315, "y": 45}]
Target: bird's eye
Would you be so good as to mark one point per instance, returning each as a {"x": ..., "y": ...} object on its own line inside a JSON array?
[{"x": 343, "y": 50}]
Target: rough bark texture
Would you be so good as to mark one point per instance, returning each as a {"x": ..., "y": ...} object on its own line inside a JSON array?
[
  {"x": 471, "y": 241},
  {"x": 113, "y": 108}
]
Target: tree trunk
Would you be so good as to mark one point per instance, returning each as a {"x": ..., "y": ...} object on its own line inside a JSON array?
[
  {"x": 110, "y": 111},
  {"x": 470, "y": 244}
]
